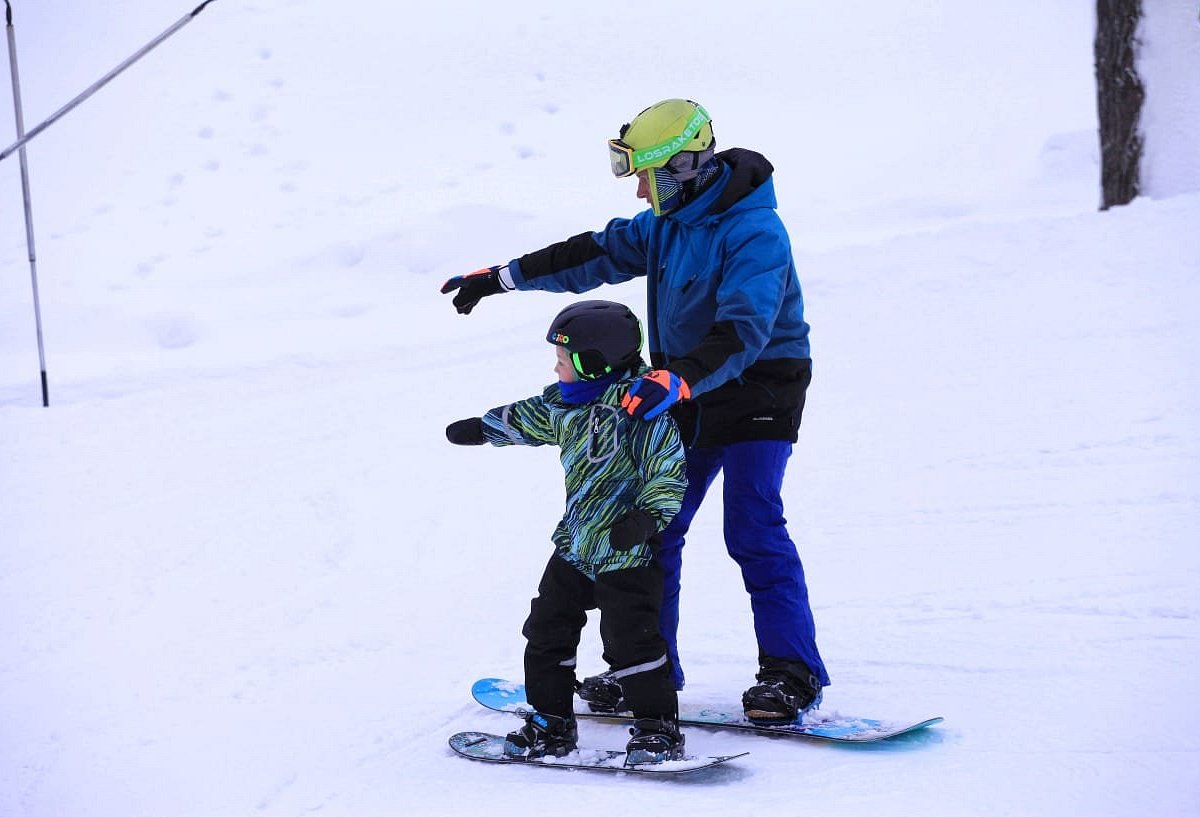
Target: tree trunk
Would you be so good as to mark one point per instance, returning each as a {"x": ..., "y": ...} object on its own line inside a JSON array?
[{"x": 1119, "y": 95}]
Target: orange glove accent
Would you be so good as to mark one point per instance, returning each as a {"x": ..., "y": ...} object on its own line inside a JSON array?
[{"x": 654, "y": 393}]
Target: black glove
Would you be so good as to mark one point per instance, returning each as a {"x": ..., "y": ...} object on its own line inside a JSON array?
[
  {"x": 631, "y": 529},
  {"x": 466, "y": 432},
  {"x": 474, "y": 287}
]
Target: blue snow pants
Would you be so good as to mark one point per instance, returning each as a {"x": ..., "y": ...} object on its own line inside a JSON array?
[{"x": 756, "y": 537}]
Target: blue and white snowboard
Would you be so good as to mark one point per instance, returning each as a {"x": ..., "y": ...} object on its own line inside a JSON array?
[
  {"x": 482, "y": 746},
  {"x": 509, "y": 696}
]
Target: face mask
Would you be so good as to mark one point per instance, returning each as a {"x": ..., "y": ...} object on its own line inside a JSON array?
[{"x": 665, "y": 190}]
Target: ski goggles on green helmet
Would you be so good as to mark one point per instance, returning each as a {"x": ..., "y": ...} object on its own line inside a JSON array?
[{"x": 626, "y": 160}]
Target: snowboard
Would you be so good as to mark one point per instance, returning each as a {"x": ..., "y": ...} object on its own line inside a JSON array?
[
  {"x": 490, "y": 748},
  {"x": 509, "y": 696}
]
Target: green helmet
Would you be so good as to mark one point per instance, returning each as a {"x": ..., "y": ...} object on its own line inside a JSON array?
[{"x": 659, "y": 133}]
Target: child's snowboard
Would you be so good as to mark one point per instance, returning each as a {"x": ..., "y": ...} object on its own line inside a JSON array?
[
  {"x": 509, "y": 696},
  {"x": 490, "y": 748}
]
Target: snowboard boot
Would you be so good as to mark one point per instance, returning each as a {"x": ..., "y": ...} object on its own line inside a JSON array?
[
  {"x": 654, "y": 740},
  {"x": 603, "y": 693},
  {"x": 542, "y": 735},
  {"x": 784, "y": 692}
]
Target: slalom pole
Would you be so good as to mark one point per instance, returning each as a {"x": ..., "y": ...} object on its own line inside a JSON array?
[
  {"x": 37, "y": 306},
  {"x": 100, "y": 83}
]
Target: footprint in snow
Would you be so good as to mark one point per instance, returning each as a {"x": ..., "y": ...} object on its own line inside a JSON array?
[
  {"x": 174, "y": 331},
  {"x": 351, "y": 255}
]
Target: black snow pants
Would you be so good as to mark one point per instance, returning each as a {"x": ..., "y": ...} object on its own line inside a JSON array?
[{"x": 629, "y": 602}]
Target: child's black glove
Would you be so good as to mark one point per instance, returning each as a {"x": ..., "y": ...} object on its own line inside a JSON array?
[
  {"x": 631, "y": 529},
  {"x": 466, "y": 432}
]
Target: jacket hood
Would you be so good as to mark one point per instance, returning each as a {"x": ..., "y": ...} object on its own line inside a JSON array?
[
  {"x": 745, "y": 182},
  {"x": 750, "y": 171}
]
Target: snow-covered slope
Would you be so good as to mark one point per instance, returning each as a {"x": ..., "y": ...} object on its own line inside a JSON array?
[{"x": 241, "y": 571}]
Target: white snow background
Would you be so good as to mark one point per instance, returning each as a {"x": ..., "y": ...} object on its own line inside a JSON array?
[{"x": 242, "y": 571}]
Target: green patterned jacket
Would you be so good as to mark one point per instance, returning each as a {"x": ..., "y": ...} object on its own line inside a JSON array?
[{"x": 612, "y": 463}]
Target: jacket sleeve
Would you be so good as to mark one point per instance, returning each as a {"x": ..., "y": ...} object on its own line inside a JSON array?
[
  {"x": 525, "y": 422},
  {"x": 659, "y": 456},
  {"x": 756, "y": 265},
  {"x": 611, "y": 256}
]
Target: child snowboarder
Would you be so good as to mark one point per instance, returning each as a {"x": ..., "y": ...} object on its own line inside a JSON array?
[{"x": 624, "y": 481}]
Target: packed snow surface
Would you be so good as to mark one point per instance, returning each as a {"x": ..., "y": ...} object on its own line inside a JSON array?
[{"x": 243, "y": 572}]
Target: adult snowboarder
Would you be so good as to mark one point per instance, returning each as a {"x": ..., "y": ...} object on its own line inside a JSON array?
[{"x": 729, "y": 348}]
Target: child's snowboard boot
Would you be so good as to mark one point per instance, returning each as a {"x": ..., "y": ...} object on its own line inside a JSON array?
[
  {"x": 654, "y": 740},
  {"x": 603, "y": 693},
  {"x": 542, "y": 735}
]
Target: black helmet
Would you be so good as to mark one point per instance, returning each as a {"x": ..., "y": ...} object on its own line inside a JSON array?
[{"x": 601, "y": 336}]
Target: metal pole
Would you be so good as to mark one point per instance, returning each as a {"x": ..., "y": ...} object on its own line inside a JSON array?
[
  {"x": 37, "y": 306},
  {"x": 100, "y": 83}
]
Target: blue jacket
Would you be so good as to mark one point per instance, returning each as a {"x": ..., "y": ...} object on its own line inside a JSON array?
[{"x": 726, "y": 309}]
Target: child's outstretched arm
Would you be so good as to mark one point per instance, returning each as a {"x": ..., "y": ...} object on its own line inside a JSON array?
[{"x": 525, "y": 422}]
